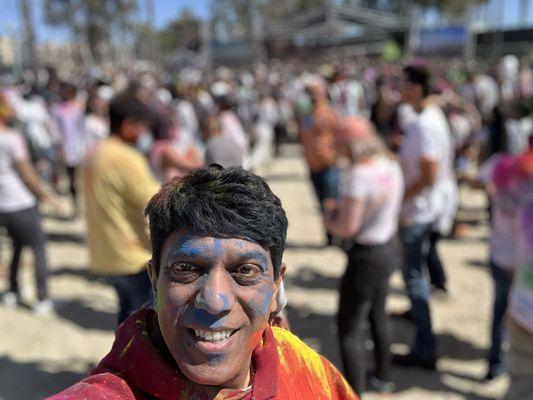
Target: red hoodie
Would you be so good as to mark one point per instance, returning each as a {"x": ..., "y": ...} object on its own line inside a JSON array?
[{"x": 285, "y": 368}]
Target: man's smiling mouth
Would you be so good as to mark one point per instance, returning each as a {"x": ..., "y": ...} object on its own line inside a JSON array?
[{"x": 212, "y": 335}]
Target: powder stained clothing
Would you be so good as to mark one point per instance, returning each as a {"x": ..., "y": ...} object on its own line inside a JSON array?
[
  {"x": 379, "y": 184},
  {"x": 502, "y": 248},
  {"x": 14, "y": 194},
  {"x": 117, "y": 186},
  {"x": 285, "y": 368},
  {"x": 521, "y": 297}
]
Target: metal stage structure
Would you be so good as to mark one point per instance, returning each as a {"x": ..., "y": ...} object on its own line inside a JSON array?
[{"x": 340, "y": 28}]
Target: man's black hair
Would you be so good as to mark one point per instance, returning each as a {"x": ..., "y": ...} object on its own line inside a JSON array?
[
  {"x": 419, "y": 75},
  {"x": 222, "y": 203},
  {"x": 125, "y": 106}
]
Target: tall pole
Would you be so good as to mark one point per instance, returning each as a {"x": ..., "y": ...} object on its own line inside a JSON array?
[
  {"x": 524, "y": 11},
  {"x": 29, "y": 36},
  {"x": 205, "y": 40},
  {"x": 470, "y": 45},
  {"x": 150, "y": 23}
]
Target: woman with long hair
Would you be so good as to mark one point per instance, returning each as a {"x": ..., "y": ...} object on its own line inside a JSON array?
[{"x": 367, "y": 218}]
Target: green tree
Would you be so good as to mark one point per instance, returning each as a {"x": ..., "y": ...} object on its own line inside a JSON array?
[
  {"x": 243, "y": 18},
  {"x": 93, "y": 22},
  {"x": 182, "y": 33}
]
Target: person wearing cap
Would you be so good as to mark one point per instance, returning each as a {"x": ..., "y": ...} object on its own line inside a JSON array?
[
  {"x": 317, "y": 135},
  {"x": 367, "y": 217}
]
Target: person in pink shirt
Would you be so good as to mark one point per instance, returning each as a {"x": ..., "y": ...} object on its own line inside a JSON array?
[{"x": 69, "y": 116}]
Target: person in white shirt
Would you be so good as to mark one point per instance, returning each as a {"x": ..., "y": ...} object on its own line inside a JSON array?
[
  {"x": 367, "y": 217},
  {"x": 426, "y": 158},
  {"x": 96, "y": 122},
  {"x": 20, "y": 190},
  {"x": 232, "y": 127}
]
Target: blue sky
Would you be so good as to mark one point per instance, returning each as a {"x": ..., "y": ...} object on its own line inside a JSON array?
[{"x": 166, "y": 10}]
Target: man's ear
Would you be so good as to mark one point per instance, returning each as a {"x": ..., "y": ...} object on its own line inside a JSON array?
[
  {"x": 152, "y": 273},
  {"x": 282, "y": 270},
  {"x": 279, "y": 300}
]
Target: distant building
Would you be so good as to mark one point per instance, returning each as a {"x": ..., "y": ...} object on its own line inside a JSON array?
[
  {"x": 58, "y": 54},
  {"x": 8, "y": 55}
]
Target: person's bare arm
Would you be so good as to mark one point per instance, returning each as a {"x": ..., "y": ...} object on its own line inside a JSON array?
[
  {"x": 31, "y": 180},
  {"x": 172, "y": 158},
  {"x": 346, "y": 220},
  {"x": 428, "y": 174}
]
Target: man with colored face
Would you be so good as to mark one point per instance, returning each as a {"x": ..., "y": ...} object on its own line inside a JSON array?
[
  {"x": 217, "y": 243},
  {"x": 214, "y": 299}
]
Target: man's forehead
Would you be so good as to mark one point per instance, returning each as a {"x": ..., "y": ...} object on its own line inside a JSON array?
[{"x": 186, "y": 243}]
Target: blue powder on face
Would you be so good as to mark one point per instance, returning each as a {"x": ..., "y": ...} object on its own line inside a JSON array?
[
  {"x": 260, "y": 303},
  {"x": 187, "y": 248},
  {"x": 205, "y": 319},
  {"x": 225, "y": 301}
]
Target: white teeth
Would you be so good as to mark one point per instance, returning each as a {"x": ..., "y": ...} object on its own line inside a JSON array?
[{"x": 213, "y": 336}]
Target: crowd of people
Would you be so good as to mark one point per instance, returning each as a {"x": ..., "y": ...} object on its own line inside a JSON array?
[{"x": 387, "y": 147}]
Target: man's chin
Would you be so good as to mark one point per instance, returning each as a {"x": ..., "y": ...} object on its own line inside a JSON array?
[{"x": 221, "y": 375}]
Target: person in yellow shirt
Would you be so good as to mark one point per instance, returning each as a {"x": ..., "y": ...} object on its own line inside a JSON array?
[{"x": 117, "y": 185}]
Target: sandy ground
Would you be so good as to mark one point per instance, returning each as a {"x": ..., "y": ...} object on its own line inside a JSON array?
[{"x": 41, "y": 355}]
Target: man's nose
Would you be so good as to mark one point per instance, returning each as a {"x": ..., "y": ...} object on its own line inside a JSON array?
[{"x": 215, "y": 296}]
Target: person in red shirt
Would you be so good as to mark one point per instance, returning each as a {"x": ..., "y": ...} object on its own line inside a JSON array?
[{"x": 217, "y": 243}]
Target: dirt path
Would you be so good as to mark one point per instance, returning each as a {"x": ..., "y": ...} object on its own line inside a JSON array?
[{"x": 41, "y": 355}]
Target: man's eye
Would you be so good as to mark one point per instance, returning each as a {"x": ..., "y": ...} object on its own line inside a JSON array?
[
  {"x": 184, "y": 267},
  {"x": 247, "y": 271},
  {"x": 184, "y": 272}
]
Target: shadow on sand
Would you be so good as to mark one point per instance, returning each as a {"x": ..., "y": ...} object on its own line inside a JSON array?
[
  {"x": 86, "y": 317},
  {"x": 45, "y": 379},
  {"x": 320, "y": 332},
  {"x": 65, "y": 237}
]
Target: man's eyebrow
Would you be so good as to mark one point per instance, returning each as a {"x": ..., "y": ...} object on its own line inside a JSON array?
[
  {"x": 188, "y": 252},
  {"x": 253, "y": 255}
]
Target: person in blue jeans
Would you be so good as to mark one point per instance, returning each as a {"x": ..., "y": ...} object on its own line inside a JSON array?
[
  {"x": 326, "y": 185},
  {"x": 426, "y": 158},
  {"x": 415, "y": 241}
]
